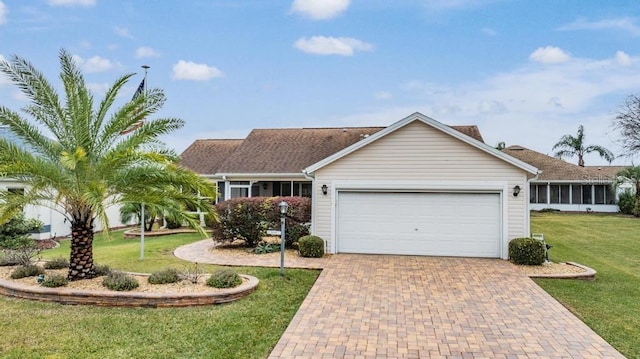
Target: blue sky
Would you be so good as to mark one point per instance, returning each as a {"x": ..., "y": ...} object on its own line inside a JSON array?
[{"x": 525, "y": 72}]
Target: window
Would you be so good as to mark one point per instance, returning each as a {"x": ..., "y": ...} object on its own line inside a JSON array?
[
  {"x": 285, "y": 189},
  {"x": 576, "y": 194},
  {"x": 599, "y": 193},
  {"x": 302, "y": 189},
  {"x": 239, "y": 189},
  {"x": 532, "y": 193},
  {"x": 220, "y": 197},
  {"x": 586, "y": 194},
  {"x": 610, "y": 195},
  {"x": 16, "y": 190},
  {"x": 542, "y": 194},
  {"x": 564, "y": 193},
  {"x": 554, "y": 193}
]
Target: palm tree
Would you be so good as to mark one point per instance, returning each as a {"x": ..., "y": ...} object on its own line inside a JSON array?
[
  {"x": 76, "y": 161},
  {"x": 574, "y": 146}
]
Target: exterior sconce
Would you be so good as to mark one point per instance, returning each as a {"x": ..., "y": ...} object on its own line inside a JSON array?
[
  {"x": 516, "y": 191},
  {"x": 325, "y": 189}
]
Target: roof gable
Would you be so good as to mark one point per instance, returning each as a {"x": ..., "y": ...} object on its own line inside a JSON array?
[{"x": 452, "y": 131}]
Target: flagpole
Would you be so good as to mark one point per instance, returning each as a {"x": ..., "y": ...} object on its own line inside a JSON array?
[{"x": 145, "y": 67}]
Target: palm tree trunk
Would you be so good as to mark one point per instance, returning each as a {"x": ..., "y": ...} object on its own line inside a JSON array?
[{"x": 81, "y": 261}]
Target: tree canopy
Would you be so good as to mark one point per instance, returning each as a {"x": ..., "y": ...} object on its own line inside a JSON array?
[
  {"x": 76, "y": 160},
  {"x": 570, "y": 146}
]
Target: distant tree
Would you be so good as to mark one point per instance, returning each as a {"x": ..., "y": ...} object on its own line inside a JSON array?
[
  {"x": 627, "y": 121},
  {"x": 570, "y": 146},
  {"x": 501, "y": 146},
  {"x": 630, "y": 175}
]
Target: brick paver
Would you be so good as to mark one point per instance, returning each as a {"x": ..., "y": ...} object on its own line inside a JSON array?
[{"x": 370, "y": 306}]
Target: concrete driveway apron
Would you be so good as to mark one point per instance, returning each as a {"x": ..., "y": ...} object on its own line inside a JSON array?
[{"x": 379, "y": 306}]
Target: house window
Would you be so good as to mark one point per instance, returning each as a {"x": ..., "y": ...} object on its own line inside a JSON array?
[
  {"x": 221, "y": 193},
  {"x": 16, "y": 190},
  {"x": 564, "y": 193},
  {"x": 554, "y": 193},
  {"x": 576, "y": 194},
  {"x": 586, "y": 194},
  {"x": 302, "y": 189},
  {"x": 239, "y": 189},
  {"x": 610, "y": 195},
  {"x": 285, "y": 189},
  {"x": 542, "y": 194},
  {"x": 600, "y": 191}
]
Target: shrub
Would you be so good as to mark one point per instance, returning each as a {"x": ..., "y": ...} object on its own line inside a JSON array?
[
  {"x": 311, "y": 246},
  {"x": 7, "y": 258},
  {"x": 54, "y": 281},
  {"x": 224, "y": 278},
  {"x": 249, "y": 218},
  {"x": 101, "y": 269},
  {"x": 192, "y": 275},
  {"x": 15, "y": 233},
  {"x": 628, "y": 202},
  {"x": 164, "y": 276},
  {"x": 57, "y": 263},
  {"x": 173, "y": 223},
  {"x": 24, "y": 271},
  {"x": 120, "y": 281},
  {"x": 527, "y": 251},
  {"x": 264, "y": 248}
]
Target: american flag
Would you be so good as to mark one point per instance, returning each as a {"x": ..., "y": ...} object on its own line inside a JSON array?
[{"x": 139, "y": 91}]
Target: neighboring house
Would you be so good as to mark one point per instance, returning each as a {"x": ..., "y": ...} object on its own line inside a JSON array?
[
  {"x": 416, "y": 187},
  {"x": 54, "y": 223},
  {"x": 568, "y": 187}
]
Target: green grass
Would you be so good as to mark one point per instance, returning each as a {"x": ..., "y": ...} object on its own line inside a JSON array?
[
  {"x": 610, "y": 244},
  {"x": 248, "y": 328}
]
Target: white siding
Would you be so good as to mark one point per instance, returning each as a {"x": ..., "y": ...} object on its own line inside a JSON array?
[{"x": 420, "y": 156}]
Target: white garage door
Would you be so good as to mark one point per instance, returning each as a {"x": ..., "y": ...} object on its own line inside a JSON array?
[{"x": 438, "y": 224}]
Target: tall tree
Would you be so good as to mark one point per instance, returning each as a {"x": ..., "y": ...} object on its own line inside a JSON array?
[
  {"x": 570, "y": 146},
  {"x": 76, "y": 160},
  {"x": 627, "y": 121}
]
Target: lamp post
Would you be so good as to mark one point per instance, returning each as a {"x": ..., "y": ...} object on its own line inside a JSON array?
[{"x": 284, "y": 206}]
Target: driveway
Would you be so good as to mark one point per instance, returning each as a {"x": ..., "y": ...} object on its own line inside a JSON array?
[{"x": 370, "y": 306}]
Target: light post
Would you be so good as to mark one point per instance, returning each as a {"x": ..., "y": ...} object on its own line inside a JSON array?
[{"x": 284, "y": 206}]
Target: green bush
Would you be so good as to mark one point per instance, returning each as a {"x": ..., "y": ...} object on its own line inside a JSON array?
[
  {"x": 101, "y": 269},
  {"x": 30, "y": 270},
  {"x": 265, "y": 247},
  {"x": 311, "y": 246},
  {"x": 527, "y": 251},
  {"x": 15, "y": 233},
  {"x": 173, "y": 223},
  {"x": 627, "y": 202},
  {"x": 164, "y": 276},
  {"x": 54, "y": 281},
  {"x": 120, "y": 281},
  {"x": 8, "y": 258},
  {"x": 224, "y": 278},
  {"x": 249, "y": 218},
  {"x": 57, "y": 263}
]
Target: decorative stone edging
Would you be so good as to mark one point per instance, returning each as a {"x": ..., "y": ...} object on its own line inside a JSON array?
[
  {"x": 127, "y": 299},
  {"x": 588, "y": 274}
]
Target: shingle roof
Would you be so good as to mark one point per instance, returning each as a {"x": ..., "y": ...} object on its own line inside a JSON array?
[
  {"x": 285, "y": 150},
  {"x": 554, "y": 169},
  {"x": 206, "y": 156}
]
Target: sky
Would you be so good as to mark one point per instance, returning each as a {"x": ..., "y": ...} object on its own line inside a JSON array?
[{"x": 525, "y": 72}]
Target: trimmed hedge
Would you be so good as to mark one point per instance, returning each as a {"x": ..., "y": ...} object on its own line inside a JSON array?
[
  {"x": 311, "y": 246},
  {"x": 224, "y": 278},
  {"x": 527, "y": 251},
  {"x": 249, "y": 218}
]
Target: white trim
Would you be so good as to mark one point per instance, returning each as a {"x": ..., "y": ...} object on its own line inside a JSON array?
[
  {"x": 260, "y": 175},
  {"x": 499, "y": 187},
  {"x": 578, "y": 181},
  {"x": 433, "y": 123}
]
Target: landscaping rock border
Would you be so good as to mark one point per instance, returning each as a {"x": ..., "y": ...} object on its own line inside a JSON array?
[
  {"x": 588, "y": 274},
  {"x": 127, "y": 299}
]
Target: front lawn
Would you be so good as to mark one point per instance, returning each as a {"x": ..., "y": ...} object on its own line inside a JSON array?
[
  {"x": 610, "y": 244},
  {"x": 248, "y": 328}
]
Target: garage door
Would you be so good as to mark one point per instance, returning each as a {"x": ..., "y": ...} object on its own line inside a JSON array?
[{"x": 438, "y": 224}]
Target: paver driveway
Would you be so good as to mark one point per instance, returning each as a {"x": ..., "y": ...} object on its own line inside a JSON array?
[{"x": 370, "y": 306}]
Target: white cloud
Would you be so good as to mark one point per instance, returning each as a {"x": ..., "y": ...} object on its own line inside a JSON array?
[
  {"x": 626, "y": 24},
  {"x": 321, "y": 45},
  {"x": 94, "y": 64},
  {"x": 623, "y": 59},
  {"x": 489, "y": 31},
  {"x": 187, "y": 70},
  {"x": 549, "y": 55},
  {"x": 383, "y": 95},
  {"x": 99, "y": 88},
  {"x": 530, "y": 105},
  {"x": 71, "y": 2},
  {"x": 320, "y": 9},
  {"x": 142, "y": 52},
  {"x": 3, "y": 13},
  {"x": 122, "y": 32}
]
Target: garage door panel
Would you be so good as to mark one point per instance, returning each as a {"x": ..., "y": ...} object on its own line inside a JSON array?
[{"x": 446, "y": 224}]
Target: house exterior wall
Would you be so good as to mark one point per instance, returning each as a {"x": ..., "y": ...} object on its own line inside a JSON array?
[{"x": 418, "y": 157}]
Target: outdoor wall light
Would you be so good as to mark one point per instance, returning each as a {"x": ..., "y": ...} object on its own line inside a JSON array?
[
  {"x": 516, "y": 191},
  {"x": 324, "y": 189}
]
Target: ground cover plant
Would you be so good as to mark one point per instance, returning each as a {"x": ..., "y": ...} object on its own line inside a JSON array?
[
  {"x": 608, "y": 244},
  {"x": 248, "y": 328}
]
